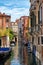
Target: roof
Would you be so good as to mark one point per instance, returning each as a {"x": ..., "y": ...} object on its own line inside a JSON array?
[{"x": 4, "y": 15}]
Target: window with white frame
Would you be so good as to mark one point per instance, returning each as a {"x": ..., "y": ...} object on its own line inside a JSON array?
[{"x": 40, "y": 14}]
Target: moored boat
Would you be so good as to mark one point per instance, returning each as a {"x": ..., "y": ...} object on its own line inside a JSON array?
[{"x": 4, "y": 52}]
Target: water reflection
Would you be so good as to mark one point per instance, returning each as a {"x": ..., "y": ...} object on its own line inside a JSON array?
[
  {"x": 25, "y": 56},
  {"x": 5, "y": 61},
  {"x": 1, "y": 63},
  {"x": 14, "y": 59},
  {"x": 17, "y": 58},
  {"x": 15, "y": 62},
  {"x": 30, "y": 59}
]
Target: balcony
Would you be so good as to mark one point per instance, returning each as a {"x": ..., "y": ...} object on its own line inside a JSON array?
[{"x": 36, "y": 29}]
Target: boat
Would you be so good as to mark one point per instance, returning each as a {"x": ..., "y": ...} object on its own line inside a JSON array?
[{"x": 4, "y": 52}]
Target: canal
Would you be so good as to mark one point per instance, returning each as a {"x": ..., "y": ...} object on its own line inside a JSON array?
[{"x": 20, "y": 56}]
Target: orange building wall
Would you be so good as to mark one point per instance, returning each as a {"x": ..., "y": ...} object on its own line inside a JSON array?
[
  {"x": 3, "y": 25},
  {"x": 3, "y": 22},
  {"x": 26, "y": 25},
  {"x": 0, "y": 22}
]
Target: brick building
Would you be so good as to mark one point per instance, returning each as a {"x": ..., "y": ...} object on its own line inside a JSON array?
[
  {"x": 23, "y": 25},
  {"x": 26, "y": 25},
  {"x": 4, "y": 24},
  {"x": 4, "y": 20},
  {"x": 14, "y": 27}
]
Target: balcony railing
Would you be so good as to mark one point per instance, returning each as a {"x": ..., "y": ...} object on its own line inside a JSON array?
[{"x": 36, "y": 29}]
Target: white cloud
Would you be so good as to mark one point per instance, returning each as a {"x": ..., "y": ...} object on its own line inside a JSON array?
[
  {"x": 15, "y": 12},
  {"x": 15, "y": 8}
]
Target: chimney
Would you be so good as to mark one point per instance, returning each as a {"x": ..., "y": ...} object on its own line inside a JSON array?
[{"x": 4, "y": 13}]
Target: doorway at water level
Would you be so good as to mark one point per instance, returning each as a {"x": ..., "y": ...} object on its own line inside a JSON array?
[{"x": 0, "y": 42}]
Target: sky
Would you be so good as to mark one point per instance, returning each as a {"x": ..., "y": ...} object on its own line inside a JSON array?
[{"x": 15, "y": 8}]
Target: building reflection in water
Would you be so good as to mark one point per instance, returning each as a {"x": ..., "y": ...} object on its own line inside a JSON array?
[
  {"x": 15, "y": 59},
  {"x": 25, "y": 56},
  {"x": 29, "y": 58},
  {"x": 7, "y": 62}
]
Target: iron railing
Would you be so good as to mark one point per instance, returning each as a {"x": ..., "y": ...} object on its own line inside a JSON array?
[{"x": 35, "y": 29}]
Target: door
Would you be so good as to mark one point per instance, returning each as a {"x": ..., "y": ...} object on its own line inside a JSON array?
[{"x": 0, "y": 42}]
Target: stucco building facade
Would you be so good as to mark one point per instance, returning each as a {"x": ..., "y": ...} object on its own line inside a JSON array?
[
  {"x": 25, "y": 25},
  {"x": 4, "y": 24},
  {"x": 14, "y": 27},
  {"x": 36, "y": 14}
]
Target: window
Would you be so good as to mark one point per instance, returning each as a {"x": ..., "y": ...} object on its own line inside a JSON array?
[
  {"x": 38, "y": 40},
  {"x": 41, "y": 15},
  {"x": 7, "y": 20},
  {"x": 32, "y": 40},
  {"x": 41, "y": 40}
]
